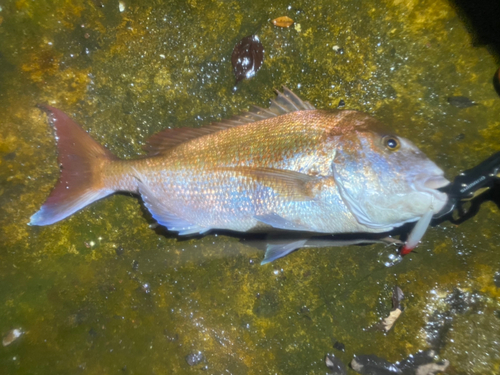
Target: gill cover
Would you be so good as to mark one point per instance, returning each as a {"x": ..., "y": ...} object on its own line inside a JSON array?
[{"x": 383, "y": 180}]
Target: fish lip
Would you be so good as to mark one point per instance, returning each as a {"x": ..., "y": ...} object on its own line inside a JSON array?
[
  {"x": 435, "y": 182},
  {"x": 430, "y": 185}
]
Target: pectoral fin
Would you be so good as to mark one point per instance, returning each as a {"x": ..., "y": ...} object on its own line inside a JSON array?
[{"x": 277, "y": 251}]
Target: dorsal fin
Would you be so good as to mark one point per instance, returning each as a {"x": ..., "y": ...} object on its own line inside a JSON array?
[{"x": 285, "y": 102}]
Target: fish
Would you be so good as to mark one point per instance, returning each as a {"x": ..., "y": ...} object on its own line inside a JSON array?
[{"x": 290, "y": 167}]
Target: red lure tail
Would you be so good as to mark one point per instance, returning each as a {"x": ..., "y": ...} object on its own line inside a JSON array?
[
  {"x": 405, "y": 250},
  {"x": 81, "y": 160}
]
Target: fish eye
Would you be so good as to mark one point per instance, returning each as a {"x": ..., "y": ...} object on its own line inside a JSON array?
[{"x": 391, "y": 142}]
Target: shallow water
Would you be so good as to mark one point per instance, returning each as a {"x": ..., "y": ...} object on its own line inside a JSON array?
[{"x": 102, "y": 292}]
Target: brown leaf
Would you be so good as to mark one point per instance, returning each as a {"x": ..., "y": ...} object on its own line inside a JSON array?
[
  {"x": 282, "y": 21},
  {"x": 247, "y": 57}
]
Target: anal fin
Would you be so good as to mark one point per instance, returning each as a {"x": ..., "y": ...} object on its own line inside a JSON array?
[
  {"x": 276, "y": 251},
  {"x": 293, "y": 185},
  {"x": 279, "y": 245}
]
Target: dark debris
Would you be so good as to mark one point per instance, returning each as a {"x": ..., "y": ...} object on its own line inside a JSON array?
[
  {"x": 461, "y": 101},
  {"x": 247, "y": 57},
  {"x": 339, "y": 346}
]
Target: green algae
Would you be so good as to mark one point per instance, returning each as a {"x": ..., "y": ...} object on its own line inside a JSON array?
[{"x": 103, "y": 292}]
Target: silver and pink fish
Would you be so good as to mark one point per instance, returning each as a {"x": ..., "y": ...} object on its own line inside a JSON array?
[{"x": 289, "y": 167}]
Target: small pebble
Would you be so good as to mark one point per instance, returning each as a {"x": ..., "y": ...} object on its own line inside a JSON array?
[
  {"x": 11, "y": 336},
  {"x": 335, "y": 365},
  {"x": 119, "y": 250},
  {"x": 339, "y": 346},
  {"x": 135, "y": 265},
  {"x": 146, "y": 288},
  {"x": 338, "y": 49},
  {"x": 195, "y": 358}
]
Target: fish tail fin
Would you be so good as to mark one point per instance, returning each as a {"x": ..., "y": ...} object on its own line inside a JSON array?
[{"x": 82, "y": 161}]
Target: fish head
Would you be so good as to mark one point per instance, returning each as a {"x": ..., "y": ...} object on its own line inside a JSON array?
[{"x": 384, "y": 179}]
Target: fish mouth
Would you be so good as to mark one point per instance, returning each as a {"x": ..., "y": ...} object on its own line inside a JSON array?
[
  {"x": 430, "y": 185},
  {"x": 436, "y": 182}
]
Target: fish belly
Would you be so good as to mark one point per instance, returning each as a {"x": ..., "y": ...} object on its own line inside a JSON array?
[{"x": 225, "y": 198}]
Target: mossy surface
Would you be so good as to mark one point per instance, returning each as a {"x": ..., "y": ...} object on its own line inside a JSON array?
[{"x": 102, "y": 292}]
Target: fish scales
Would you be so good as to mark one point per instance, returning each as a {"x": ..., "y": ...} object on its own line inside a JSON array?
[
  {"x": 262, "y": 144},
  {"x": 192, "y": 182}
]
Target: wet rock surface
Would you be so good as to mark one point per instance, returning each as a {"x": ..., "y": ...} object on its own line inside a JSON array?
[{"x": 126, "y": 73}]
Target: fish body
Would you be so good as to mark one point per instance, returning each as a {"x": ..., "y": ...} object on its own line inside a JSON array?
[{"x": 289, "y": 167}]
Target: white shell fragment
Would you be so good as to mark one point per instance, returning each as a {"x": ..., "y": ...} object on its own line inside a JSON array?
[
  {"x": 388, "y": 322},
  {"x": 121, "y": 6},
  {"x": 335, "y": 365},
  {"x": 11, "y": 336}
]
